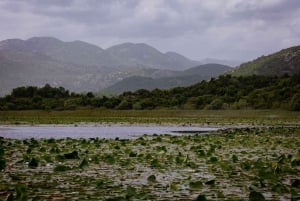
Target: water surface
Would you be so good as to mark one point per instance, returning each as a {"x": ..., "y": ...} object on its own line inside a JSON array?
[{"x": 89, "y": 131}]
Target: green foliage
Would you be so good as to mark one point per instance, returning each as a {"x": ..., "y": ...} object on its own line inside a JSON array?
[
  {"x": 61, "y": 168},
  {"x": 295, "y": 102},
  {"x": 234, "y": 158},
  {"x": 33, "y": 163},
  {"x": 84, "y": 163},
  {"x": 256, "y": 196},
  {"x": 21, "y": 192},
  {"x": 10, "y": 197},
  {"x": 2, "y": 164},
  {"x": 72, "y": 155},
  {"x": 151, "y": 178},
  {"x": 195, "y": 184},
  {"x": 283, "y": 62},
  {"x": 224, "y": 92},
  {"x": 201, "y": 198}
]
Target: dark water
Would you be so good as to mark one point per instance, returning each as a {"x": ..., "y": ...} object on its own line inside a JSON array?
[{"x": 48, "y": 131}]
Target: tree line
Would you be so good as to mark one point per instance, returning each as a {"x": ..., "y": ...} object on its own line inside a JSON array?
[{"x": 224, "y": 92}]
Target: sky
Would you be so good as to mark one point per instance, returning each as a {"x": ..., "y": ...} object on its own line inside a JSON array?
[{"x": 225, "y": 29}]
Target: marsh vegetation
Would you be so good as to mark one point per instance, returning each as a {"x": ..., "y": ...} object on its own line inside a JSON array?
[{"x": 230, "y": 164}]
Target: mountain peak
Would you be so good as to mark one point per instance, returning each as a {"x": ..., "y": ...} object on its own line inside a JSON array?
[
  {"x": 12, "y": 44},
  {"x": 132, "y": 46},
  {"x": 43, "y": 38}
]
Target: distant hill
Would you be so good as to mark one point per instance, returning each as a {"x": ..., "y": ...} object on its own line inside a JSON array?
[
  {"x": 231, "y": 63},
  {"x": 80, "y": 66},
  {"x": 141, "y": 54},
  {"x": 286, "y": 61},
  {"x": 179, "y": 78}
]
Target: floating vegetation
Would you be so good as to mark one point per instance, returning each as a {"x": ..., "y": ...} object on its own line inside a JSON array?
[
  {"x": 33, "y": 163},
  {"x": 231, "y": 164}
]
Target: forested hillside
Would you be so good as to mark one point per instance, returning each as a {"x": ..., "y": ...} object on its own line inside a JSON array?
[
  {"x": 177, "y": 79},
  {"x": 286, "y": 61},
  {"x": 225, "y": 92}
]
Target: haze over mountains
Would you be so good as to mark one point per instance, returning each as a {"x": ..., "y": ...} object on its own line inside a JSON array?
[
  {"x": 176, "y": 78},
  {"x": 81, "y": 66}
]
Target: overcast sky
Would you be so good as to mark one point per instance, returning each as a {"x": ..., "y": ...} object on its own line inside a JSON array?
[{"x": 224, "y": 29}]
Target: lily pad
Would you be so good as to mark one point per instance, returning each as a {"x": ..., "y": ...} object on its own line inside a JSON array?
[
  {"x": 72, "y": 155},
  {"x": 256, "y": 196},
  {"x": 152, "y": 178},
  {"x": 61, "y": 168},
  {"x": 33, "y": 163}
]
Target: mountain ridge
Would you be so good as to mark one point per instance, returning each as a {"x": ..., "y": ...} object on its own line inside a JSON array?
[
  {"x": 177, "y": 79},
  {"x": 77, "y": 65},
  {"x": 285, "y": 61}
]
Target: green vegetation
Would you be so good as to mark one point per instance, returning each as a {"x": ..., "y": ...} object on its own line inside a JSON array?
[
  {"x": 253, "y": 164},
  {"x": 181, "y": 117},
  {"x": 225, "y": 92},
  {"x": 286, "y": 61}
]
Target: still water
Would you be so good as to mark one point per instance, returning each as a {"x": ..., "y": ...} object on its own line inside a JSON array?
[{"x": 100, "y": 131}]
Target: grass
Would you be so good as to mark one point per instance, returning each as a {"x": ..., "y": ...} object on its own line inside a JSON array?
[
  {"x": 252, "y": 163},
  {"x": 219, "y": 117}
]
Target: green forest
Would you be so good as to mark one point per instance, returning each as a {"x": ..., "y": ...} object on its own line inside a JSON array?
[{"x": 224, "y": 92}]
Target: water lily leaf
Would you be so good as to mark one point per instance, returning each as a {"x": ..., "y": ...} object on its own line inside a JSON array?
[
  {"x": 21, "y": 192},
  {"x": 234, "y": 158},
  {"x": 132, "y": 154},
  {"x": 116, "y": 199},
  {"x": 10, "y": 197},
  {"x": 2, "y": 164},
  {"x": 155, "y": 163},
  {"x": 1, "y": 152},
  {"x": 109, "y": 159},
  {"x": 210, "y": 182},
  {"x": 201, "y": 198},
  {"x": 152, "y": 178},
  {"x": 72, "y": 155},
  {"x": 33, "y": 163},
  {"x": 295, "y": 162},
  {"x": 296, "y": 183},
  {"x": 173, "y": 186},
  {"x": 280, "y": 188},
  {"x": 61, "y": 168},
  {"x": 130, "y": 191},
  {"x": 195, "y": 184},
  {"x": 256, "y": 196},
  {"x": 84, "y": 163},
  {"x": 213, "y": 159}
]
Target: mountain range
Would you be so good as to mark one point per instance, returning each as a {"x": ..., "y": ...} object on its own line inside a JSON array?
[{"x": 80, "y": 66}]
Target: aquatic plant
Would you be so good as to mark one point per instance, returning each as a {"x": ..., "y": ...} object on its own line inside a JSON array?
[
  {"x": 72, "y": 155},
  {"x": 33, "y": 163},
  {"x": 201, "y": 198},
  {"x": 2, "y": 164},
  {"x": 83, "y": 163},
  {"x": 151, "y": 178},
  {"x": 103, "y": 172},
  {"x": 256, "y": 196},
  {"x": 61, "y": 168}
]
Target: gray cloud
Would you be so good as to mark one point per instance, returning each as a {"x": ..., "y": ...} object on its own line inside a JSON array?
[{"x": 229, "y": 29}]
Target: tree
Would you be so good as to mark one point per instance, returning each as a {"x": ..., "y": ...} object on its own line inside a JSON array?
[{"x": 295, "y": 102}]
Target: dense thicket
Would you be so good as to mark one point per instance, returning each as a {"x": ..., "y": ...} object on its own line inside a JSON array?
[{"x": 225, "y": 92}]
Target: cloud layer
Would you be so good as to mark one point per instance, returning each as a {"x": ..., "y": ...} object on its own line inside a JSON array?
[{"x": 228, "y": 29}]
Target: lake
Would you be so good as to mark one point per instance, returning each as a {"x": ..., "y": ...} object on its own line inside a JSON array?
[{"x": 94, "y": 131}]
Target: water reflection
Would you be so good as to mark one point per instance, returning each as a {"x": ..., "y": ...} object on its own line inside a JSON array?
[{"x": 87, "y": 131}]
